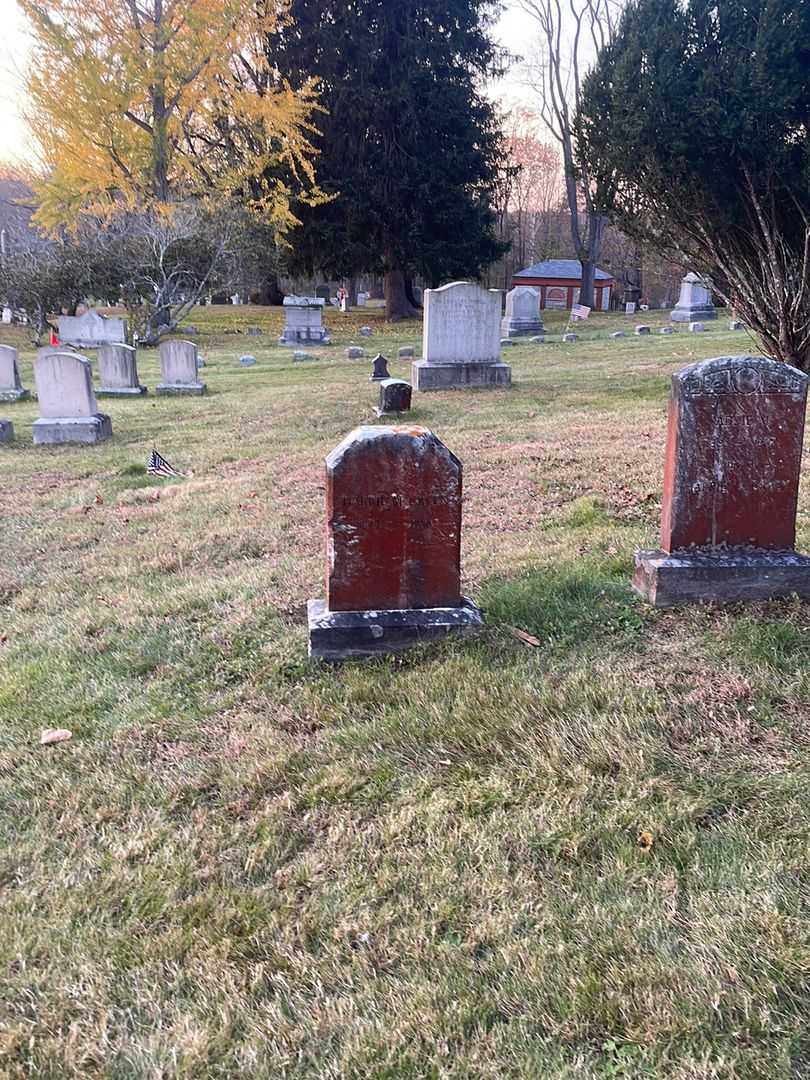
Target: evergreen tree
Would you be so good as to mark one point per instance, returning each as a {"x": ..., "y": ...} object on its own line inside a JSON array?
[
  {"x": 409, "y": 147},
  {"x": 696, "y": 122}
]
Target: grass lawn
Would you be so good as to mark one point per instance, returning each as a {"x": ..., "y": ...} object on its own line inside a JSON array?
[{"x": 245, "y": 865}]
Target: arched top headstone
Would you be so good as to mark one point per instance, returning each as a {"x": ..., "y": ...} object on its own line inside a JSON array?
[
  {"x": 64, "y": 382},
  {"x": 394, "y": 521},
  {"x": 734, "y": 445}
]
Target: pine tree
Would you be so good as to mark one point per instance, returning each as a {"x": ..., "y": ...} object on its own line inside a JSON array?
[
  {"x": 410, "y": 149},
  {"x": 696, "y": 122}
]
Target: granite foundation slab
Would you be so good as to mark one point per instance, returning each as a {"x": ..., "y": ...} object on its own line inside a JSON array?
[
  {"x": 176, "y": 389},
  {"x": 341, "y": 635},
  {"x": 14, "y": 395},
  {"x": 426, "y": 376},
  {"x": 721, "y": 576},
  {"x": 51, "y": 431},
  {"x": 121, "y": 391}
]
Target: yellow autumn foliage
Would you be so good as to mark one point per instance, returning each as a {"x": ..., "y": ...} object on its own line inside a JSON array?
[{"x": 141, "y": 103}]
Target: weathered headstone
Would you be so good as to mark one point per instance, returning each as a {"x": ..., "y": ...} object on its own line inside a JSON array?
[
  {"x": 395, "y": 397},
  {"x": 731, "y": 479},
  {"x": 68, "y": 411},
  {"x": 11, "y": 389},
  {"x": 696, "y": 327},
  {"x": 118, "y": 371},
  {"x": 247, "y": 360},
  {"x": 6, "y": 431},
  {"x": 365, "y": 331},
  {"x": 643, "y": 329},
  {"x": 354, "y": 352},
  {"x": 406, "y": 352},
  {"x": 569, "y": 338},
  {"x": 630, "y": 307},
  {"x": 666, "y": 330},
  {"x": 380, "y": 370},
  {"x": 537, "y": 340},
  {"x": 91, "y": 330},
  {"x": 304, "y": 320},
  {"x": 736, "y": 324},
  {"x": 522, "y": 312},
  {"x": 461, "y": 339},
  {"x": 695, "y": 301},
  {"x": 322, "y": 292},
  {"x": 179, "y": 363},
  {"x": 618, "y": 334},
  {"x": 393, "y": 504},
  {"x": 300, "y": 357}
]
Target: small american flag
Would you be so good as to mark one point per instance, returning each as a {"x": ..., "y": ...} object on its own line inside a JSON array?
[
  {"x": 580, "y": 311},
  {"x": 159, "y": 466}
]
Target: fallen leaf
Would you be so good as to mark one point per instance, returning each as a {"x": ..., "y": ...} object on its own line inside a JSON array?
[
  {"x": 98, "y": 500},
  {"x": 521, "y": 635},
  {"x": 645, "y": 840},
  {"x": 54, "y": 735}
]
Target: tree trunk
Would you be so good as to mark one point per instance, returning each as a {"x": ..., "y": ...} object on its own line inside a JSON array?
[
  {"x": 351, "y": 289},
  {"x": 586, "y": 287},
  {"x": 409, "y": 294},
  {"x": 397, "y": 305}
]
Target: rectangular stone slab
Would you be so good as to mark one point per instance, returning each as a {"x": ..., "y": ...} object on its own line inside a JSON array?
[
  {"x": 340, "y": 635},
  {"x": 734, "y": 444},
  {"x": 427, "y": 377},
  {"x": 667, "y": 580},
  {"x": 52, "y": 431}
]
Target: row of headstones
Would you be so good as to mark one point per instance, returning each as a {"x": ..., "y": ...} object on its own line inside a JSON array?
[
  {"x": 731, "y": 479},
  {"x": 68, "y": 410}
]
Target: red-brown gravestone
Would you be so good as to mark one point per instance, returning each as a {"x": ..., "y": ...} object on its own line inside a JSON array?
[
  {"x": 393, "y": 504},
  {"x": 731, "y": 481}
]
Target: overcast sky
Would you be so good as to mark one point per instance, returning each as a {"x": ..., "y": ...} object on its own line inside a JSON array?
[{"x": 514, "y": 31}]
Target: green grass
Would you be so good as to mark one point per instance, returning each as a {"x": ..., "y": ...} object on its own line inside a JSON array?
[{"x": 427, "y": 866}]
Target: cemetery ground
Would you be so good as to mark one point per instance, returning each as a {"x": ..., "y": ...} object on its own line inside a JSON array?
[{"x": 582, "y": 857}]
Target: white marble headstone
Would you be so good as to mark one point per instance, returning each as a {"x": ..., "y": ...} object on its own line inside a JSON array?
[
  {"x": 91, "y": 329},
  {"x": 178, "y": 362},
  {"x": 9, "y": 372},
  {"x": 462, "y": 324},
  {"x": 64, "y": 383},
  {"x": 117, "y": 368}
]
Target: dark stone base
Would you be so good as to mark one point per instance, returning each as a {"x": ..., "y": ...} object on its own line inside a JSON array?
[
  {"x": 339, "y": 635},
  {"x": 175, "y": 389},
  {"x": 6, "y": 431},
  {"x": 121, "y": 391},
  {"x": 720, "y": 576},
  {"x": 14, "y": 395},
  {"x": 521, "y": 327},
  {"x": 72, "y": 429},
  {"x": 694, "y": 314},
  {"x": 425, "y": 376}
]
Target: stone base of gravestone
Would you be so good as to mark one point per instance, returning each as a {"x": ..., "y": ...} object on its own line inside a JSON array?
[
  {"x": 6, "y": 431},
  {"x": 50, "y": 431},
  {"x": 178, "y": 389},
  {"x": 719, "y": 575},
  {"x": 14, "y": 395},
  {"x": 121, "y": 391},
  {"x": 340, "y": 635},
  {"x": 427, "y": 376}
]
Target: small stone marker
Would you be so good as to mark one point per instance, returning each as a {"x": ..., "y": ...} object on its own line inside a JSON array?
[
  {"x": 537, "y": 340},
  {"x": 569, "y": 337},
  {"x": 395, "y": 397},
  {"x": 643, "y": 329},
  {"x": 461, "y": 338},
  {"x": 365, "y": 331},
  {"x": 696, "y": 327},
  {"x": 247, "y": 361},
  {"x": 393, "y": 504},
  {"x": 694, "y": 302},
  {"x": 406, "y": 352},
  {"x": 522, "y": 312},
  {"x": 6, "y": 431},
  {"x": 11, "y": 389},
  {"x": 68, "y": 411},
  {"x": 354, "y": 352},
  {"x": 380, "y": 370},
  {"x": 304, "y": 321},
  {"x": 300, "y": 357},
  {"x": 118, "y": 372},
  {"x": 179, "y": 362},
  {"x": 731, "y": 479},
  {"x": 506, "y": 341},
  {"x": 735, "y": 324},
  {"x": 667, "y": 330},
  {"x": 618, "y": 334}
]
